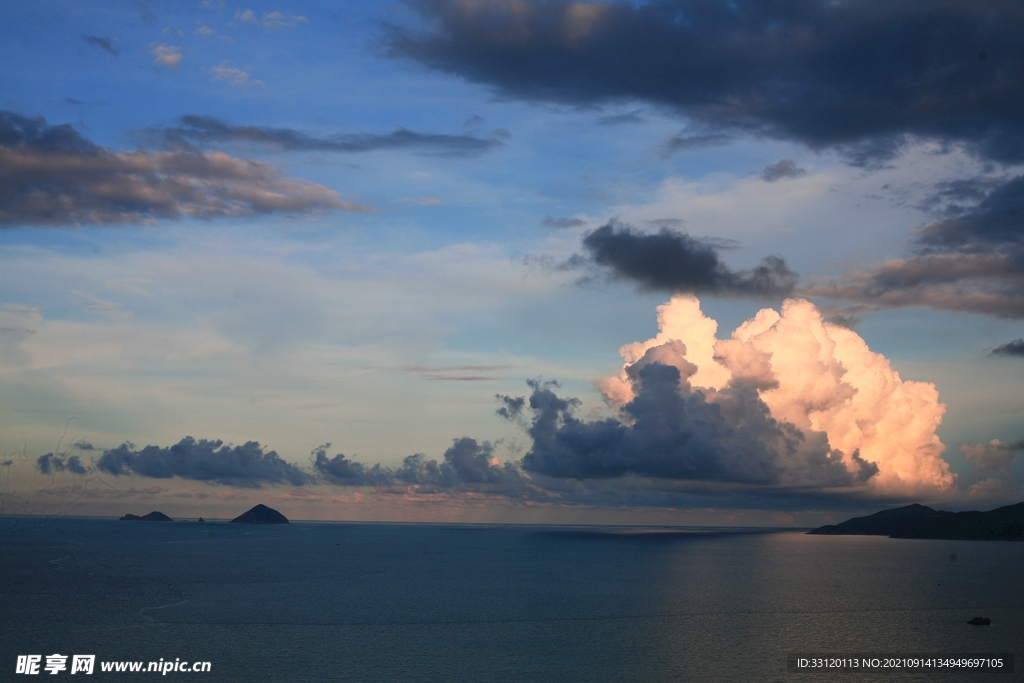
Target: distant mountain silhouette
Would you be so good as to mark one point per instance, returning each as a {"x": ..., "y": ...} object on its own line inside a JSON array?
[
  {"x": 153, "y": 516},
  {"x": 261, "y": 514},
  {"x": 919, "y": 521}
]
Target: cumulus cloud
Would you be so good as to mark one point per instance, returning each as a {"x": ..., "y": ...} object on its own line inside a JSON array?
[
  {"x": 972, "y": 260},
  {"x": 668, "y": 430},
  {"x": 207, "y": 130},
  {"x": 1014, "y": 348},
  {"x": 58, "y": 462},
  {"x": 105, "y": 44},
  {"x": 817, "y": 377},
  {"x": 247, "y": 466},
  {"x": 467, "y": 464},
  {"x": 52, "y": 175},
  {"x": 675, "y": 262},
  {"x": 861, "y": 75}
]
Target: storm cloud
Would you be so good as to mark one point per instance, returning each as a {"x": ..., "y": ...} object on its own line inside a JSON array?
[
  {"x": 861, "y": 76},
  {"x": 52, "y": 175},
  {"x": 673, "y": 261},
  {"x": 669, "y": 430},
  {"x": 247, "y": 466},
  {"x": 207, "y": 130}
]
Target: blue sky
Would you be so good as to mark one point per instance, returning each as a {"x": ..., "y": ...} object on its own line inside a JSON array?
[{"x": 298, "y": 224}]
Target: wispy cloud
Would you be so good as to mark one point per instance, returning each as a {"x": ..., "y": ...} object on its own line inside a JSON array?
[
  {"x": 273, "y": 20},
  {"x": 105, "y": 44},
  {"x": 683, "y": 143},
  {"x": 456, "y": 372},
  {"x": 207, "y": 130},
  {"x": 51, "y": 175},
  {"x": 229, "y": 74},
  {"x": 973, "y": 260}
]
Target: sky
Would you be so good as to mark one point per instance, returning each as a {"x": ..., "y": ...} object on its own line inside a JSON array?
[{"x": 680, "y": 262}]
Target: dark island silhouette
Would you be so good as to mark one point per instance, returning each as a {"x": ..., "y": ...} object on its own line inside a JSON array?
[
  {"x": 919, "y": 521},
  {"x": 153, "y": 516},
  {"x": 261, "y": 514}
]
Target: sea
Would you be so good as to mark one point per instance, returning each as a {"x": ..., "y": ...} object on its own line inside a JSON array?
[{"x": 492, "y": 603}]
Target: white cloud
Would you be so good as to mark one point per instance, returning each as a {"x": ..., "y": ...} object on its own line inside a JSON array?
[
  {"x": 271, "y": 19},
  {"x": 166, "y": 55},
  {"x": 229, "y": 74}
]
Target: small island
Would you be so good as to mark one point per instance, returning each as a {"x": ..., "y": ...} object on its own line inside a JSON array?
[
  {"x": 153, "y": 516},
  {"x": 261, "y": 514},
  {"x": 919, "y": 521}
]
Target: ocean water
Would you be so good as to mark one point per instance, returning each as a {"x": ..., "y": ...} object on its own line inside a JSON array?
[{"x": 419, "y": 602}]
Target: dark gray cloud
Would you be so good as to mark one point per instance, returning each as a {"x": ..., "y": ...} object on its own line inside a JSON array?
[
  {"x": 952, "y": 198},
  {"x": 105, "y": 44},
  {"x": 6, "y": 463},
  {"x": 673, "y": 261},
  {"x": 207, "y": 130},
  {"x": 248, "y": 465},
  {"x": 57, "y": 462},
  {"x": 971, "y": 260},
  {"x": 1014, "y": 348},
  {"x": 83, "y": 446},
  {"x": 785, "y": 168},
  {"x": 344, "y": 472},
  {"x": 860, "y": 75},
  {"x": 995, "y": 221},
  {"x": 671, "y": 431},
  {"x": 52, "y": 175},
  {"x": 467, "y": 464}
]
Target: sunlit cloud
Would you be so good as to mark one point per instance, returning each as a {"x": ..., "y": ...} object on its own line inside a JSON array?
[{"x": 166, "y": 55}]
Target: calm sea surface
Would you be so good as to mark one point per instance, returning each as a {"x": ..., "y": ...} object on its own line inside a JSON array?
[{"x": 405, "y": 602}]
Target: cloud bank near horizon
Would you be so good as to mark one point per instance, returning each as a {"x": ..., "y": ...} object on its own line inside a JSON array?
[{"x": 788, "y": 408}]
